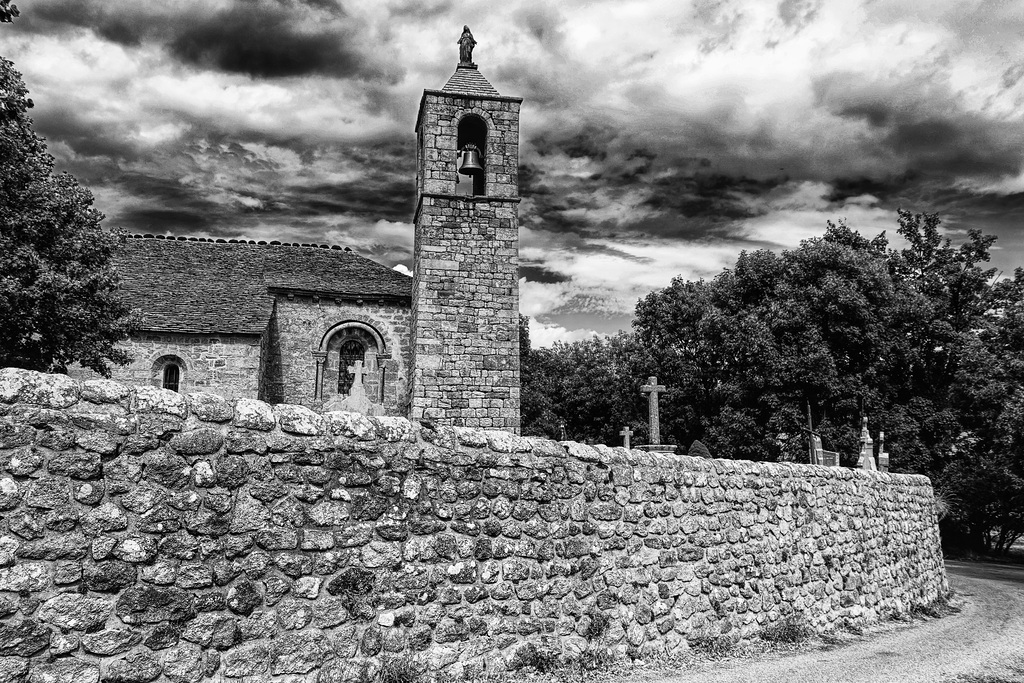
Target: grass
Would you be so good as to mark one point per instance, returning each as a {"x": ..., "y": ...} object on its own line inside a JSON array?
[
  {"x": 548, "y": 665},
  {"x": 596, "y": 663},
  {"x": 1016, "y": 676},
  {"x": 712, "y": 647},
  {"x": 941, "y": 606}
]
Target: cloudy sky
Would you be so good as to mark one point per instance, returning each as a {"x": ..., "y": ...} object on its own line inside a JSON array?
[{"x": 659, "y": 137}]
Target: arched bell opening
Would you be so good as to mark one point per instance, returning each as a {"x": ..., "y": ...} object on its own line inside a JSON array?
[{"x": 471, "y": 144}]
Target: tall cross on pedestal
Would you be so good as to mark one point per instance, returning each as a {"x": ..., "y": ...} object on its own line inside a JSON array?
[
  {"x": 653, "y": 389},
  {"x": 625, "y": 434},
  {"x": 883, "y": 457}
]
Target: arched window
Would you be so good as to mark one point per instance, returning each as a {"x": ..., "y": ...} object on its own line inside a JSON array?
[
  {"x": 351, "y": 350},
  {"x": 170, "y": 372},
  {"x": 340, "y": 348},
  {"x": 172, "y": 376}
]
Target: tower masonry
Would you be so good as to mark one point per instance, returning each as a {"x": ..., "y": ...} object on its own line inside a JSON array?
[{"x": 465, "y": 307}]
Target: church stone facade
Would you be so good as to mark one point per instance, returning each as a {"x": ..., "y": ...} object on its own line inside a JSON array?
[
  {"x": 277, "y": 322},
  {"x": 310, "y": 325}
]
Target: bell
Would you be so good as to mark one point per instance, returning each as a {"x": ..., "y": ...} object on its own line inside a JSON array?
[{"x": 470, "y": 164}]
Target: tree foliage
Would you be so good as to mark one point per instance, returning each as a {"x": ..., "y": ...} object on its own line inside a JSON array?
[
  {"x": 58, "y": 291},
  {"x": 590, "y": 389},
  {"x": 8, "y": 12},
  {"x": 920, "y": 339}
]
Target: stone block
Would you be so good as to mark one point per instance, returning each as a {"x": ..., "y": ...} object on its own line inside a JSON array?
[
  {"x": 252, "y": 414},
  {"x": 29, "y": 386},
  {"x": 210, "y": 407},
  {"x": 161, "y": 401},
  {"x": 75, "y": 611},
  {"x": 299, "y": 420},
  {"x": 70, "y": 670}
]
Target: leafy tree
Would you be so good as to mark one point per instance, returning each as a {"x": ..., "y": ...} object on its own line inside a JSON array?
[
  {"x": 920, "y": 339},
  {"x": 982, "y": 474},
  {"x": 590, "y": 389},
  {"x": 58, "y": 291},
  {"x": 536, "y": 407},
  {"x": 748, "y": 350},
  {"x": 7, "y": 11}
]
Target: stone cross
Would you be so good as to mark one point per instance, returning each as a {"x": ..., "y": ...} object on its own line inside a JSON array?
[
  {"x": 357, "y": 389},
  {"x": 653, "y": 389},
  {"x": 867, "y": 449},
  {"x": 883, "y": 457},
  {"x": 625, "y": 433}
]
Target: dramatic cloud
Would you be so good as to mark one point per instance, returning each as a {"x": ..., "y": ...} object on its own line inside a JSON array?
[{"x": 658, "y": 138}]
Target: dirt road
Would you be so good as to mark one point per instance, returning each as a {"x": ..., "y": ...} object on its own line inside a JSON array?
[{"x": 985, "y": 638}]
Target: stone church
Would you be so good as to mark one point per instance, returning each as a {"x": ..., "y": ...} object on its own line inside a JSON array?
[{"x": 329, "y": 329}]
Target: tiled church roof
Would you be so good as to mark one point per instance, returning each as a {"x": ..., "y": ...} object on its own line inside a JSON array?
[
  {"x": 217, "y": 287},
  {"x": 467, "y": 80}
]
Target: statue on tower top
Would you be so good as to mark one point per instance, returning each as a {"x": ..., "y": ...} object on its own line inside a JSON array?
[{"x": 466, "y": 45}]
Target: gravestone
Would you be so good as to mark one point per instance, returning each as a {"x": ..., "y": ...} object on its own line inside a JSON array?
[
  {"x": 625, "y": 434},
  {"x": 883, "y": 457},
  {"x": 815, "y": 449},
  {"x": 867, "y": 449}
]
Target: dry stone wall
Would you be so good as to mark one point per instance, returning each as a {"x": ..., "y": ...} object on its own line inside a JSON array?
[{"x": 146, "y": 535}]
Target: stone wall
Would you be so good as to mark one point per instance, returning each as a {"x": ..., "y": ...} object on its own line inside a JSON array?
[
  {"x": 227, "y": 365},
  {"x": 148, "y": 535}
]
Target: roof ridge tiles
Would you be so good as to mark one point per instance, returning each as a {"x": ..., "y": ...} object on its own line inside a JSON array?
[{"x": 243, "y": 240}]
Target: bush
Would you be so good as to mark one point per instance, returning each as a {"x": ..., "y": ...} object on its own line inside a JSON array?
[
  {"x": 401, "y": 670},
  {"x": 699, "y": 450},
  {"x": 597, "y": 626},
  {"x": 851, "y": 627},
  {"x": 789, "y": 631},
  {"x": 540, "y": 659}
]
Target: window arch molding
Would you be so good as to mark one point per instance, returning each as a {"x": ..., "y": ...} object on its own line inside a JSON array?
[
  {"x": 348, "y": 324},
  {"x": 162, "y": 371}
]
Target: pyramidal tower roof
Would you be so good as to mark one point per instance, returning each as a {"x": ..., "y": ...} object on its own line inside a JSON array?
[{"x": 468, "y": 81}]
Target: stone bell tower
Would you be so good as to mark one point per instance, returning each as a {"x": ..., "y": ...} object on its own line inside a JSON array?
[{"x": 465, "y": 306}]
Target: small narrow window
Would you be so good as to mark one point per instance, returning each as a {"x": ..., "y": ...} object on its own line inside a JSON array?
[{"x": 172, "y": 375}]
